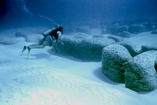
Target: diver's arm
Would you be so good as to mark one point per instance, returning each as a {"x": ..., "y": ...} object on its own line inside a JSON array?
[{"x": 59, "y": 33}]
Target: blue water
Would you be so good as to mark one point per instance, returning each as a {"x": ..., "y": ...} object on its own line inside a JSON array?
[{"x": 70, "y": 12}]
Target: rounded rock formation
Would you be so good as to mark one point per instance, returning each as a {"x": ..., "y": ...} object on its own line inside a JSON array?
[
  {"x": 135, "y": 29},
  {"x": 86, "y": 49},
  {"x": 154, "y": 31},
  {"x": 140, "y": 74},
  {"x": 124, "y": 34},
  {"x": 114, "y": 58}
]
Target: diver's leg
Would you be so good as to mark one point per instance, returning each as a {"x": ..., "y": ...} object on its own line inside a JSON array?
[
  {"x": 25, "y": 47},
  {"x": 33, "y": 45},
  {"x": 45, "y": 43}
]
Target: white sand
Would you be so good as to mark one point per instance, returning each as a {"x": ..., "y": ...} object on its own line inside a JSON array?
[
  {"x": 47, "y": 79},
  {"x": 145, "y": 38}
]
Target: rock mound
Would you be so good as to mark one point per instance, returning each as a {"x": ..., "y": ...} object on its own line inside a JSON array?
[
  {"x": 135, "y": 29},
  {"x": 140, "y": 73},
  {"x": 154, "y": 31},
  {"x": 84, "y": 48},
  {"x": 116, "y": 29},
  {"x": 115, "y": 38},
  {"x": 10, "y": 40},
  {"x": 34, "y": 38},
  {"x": 83, "y": 29},
  {"x": 114, "y": 58},
  {"x": 20, "y": 34},
  {"x": 124, "y": 34}
]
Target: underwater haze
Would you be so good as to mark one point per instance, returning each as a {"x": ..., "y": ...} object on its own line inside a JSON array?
[
  {"x": 70, "y": 12},
  {"x": 107, "y": 54}
]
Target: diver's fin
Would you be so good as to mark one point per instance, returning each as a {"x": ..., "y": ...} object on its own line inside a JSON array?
[
  {"x": 24, "y": 48},
  {"x": 29, "y": 49}
]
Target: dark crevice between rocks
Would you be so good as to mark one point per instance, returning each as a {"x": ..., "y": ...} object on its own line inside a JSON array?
[{"x": 155, "y": 65}]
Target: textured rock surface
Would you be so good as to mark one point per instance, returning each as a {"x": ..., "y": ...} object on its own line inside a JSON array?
[
  {"x": 34, "y": 38},
  {"x": 69, "y": 29},
  {"x": 154, "y": 31},
  {"x": 116, "y": 29},
  {"x": 145, "y": 48},
  {"x": 134, "y": 29},
  {"x": 84, "y": 48},
  {"x": 124, "y": 34},
  {"x": 30, "y": 37},
  {"x": 10, "y": 40},
  {"x": 116, "y": 38},
  {"x": 133, "y": 50},
  {"x": 110, "y": 30},
  {"x": 20, "y": 34},
  {"x": 84, "y": 29},
  {"x": 150, "y": 25},
  {"x": 122, "y": 28},
  {"x": 114, "y": 58},
  {"x": 140, "y": 74}
]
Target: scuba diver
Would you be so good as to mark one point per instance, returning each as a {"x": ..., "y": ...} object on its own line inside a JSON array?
[{"x": 49, "y": 37}]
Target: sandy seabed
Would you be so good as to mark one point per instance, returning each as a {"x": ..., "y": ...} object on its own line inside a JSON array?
[{"x": 49, "y": 79}]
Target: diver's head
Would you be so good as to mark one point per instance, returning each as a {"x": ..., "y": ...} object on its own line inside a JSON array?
[{"x": 60, "y": 28}]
